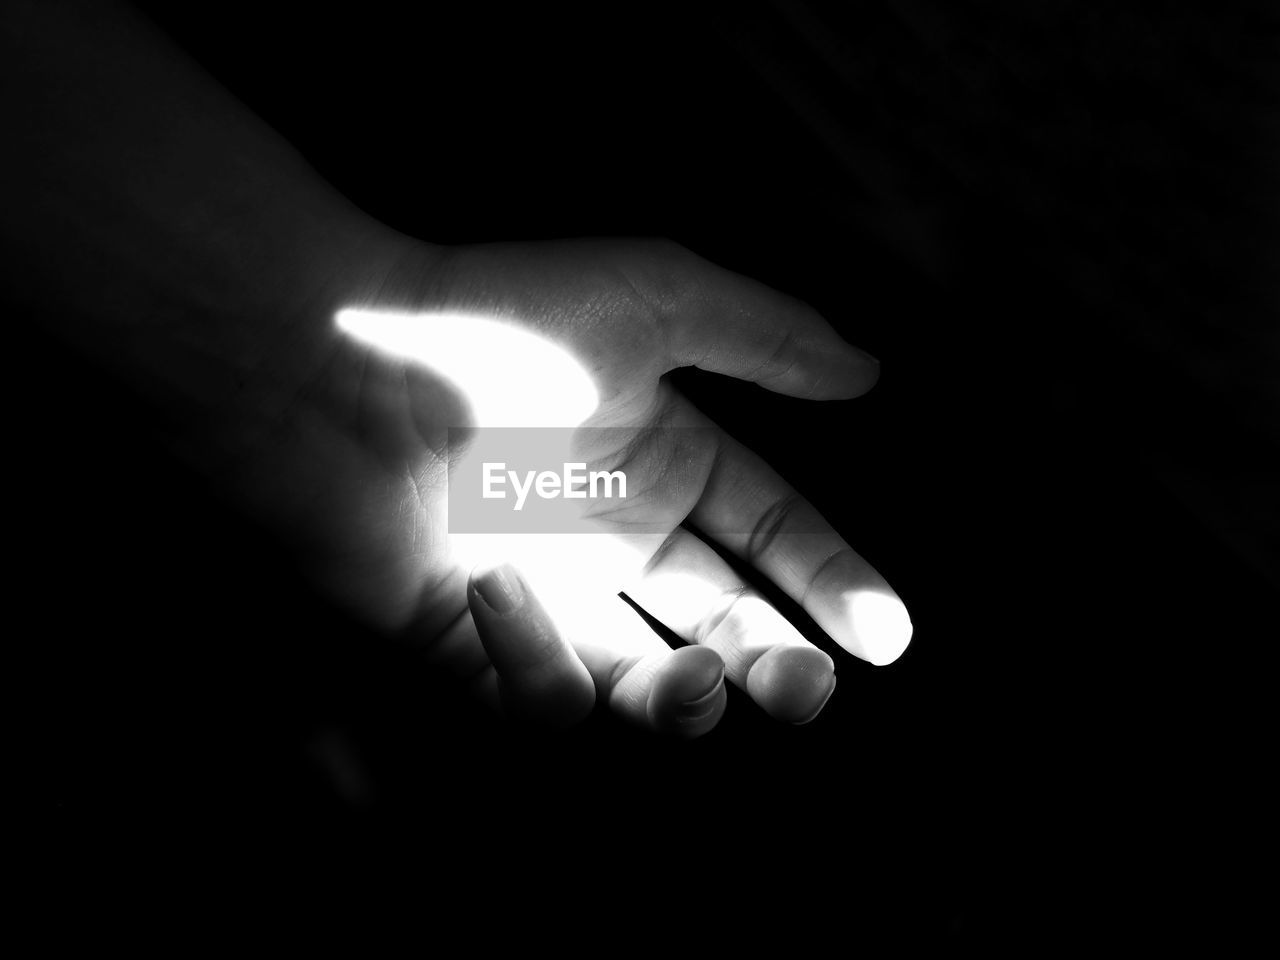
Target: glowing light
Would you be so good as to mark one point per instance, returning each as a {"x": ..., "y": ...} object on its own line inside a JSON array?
[
  {"x": 881, "y": 625},
  {"x": 751, "y": 626},
  {"x": 577, "y": 577},
  {"x": 681, "y": 600},
  {"x": 511, "y": 377}
]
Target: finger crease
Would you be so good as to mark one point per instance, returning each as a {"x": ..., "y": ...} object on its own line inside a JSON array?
[
  {"x": 710, "y": 623},
  {"x": 787, "y": 343},
  {"x": 820, "y": 570},
  {"x": 770, "y": 523}
]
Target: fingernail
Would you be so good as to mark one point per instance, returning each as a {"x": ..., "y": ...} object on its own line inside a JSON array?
[
  {"x": 702, "y": 707},
  {"x": 501, "y": 589},
  {"x": 688, "y": 694},
  {"x": 859, "y": 351}
]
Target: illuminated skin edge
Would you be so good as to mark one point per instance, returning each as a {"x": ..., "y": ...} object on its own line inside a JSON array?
[{"x": 882, "y": 624}]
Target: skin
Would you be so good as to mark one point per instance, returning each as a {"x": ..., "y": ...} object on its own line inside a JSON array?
[{"x": 169, "y": 235}]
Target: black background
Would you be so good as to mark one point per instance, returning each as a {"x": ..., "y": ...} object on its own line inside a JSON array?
[{"x": 1049, "y": 221}]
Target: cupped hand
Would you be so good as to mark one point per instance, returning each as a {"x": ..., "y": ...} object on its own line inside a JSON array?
[{"x": 354, "y": 463}]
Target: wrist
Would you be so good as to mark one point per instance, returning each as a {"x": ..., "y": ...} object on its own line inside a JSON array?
[
  {"x": 241, "y": 313},
  {"x": 272, "y": 370}
]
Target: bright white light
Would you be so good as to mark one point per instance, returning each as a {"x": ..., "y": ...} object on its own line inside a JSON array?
[
  {"x": 577, "y": 577},
  {"x": 881, "y": 624},
  {"x": 511, "y": 377}
]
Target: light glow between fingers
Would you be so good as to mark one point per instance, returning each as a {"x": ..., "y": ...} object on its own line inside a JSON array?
[{"x": 576, "y": 576}]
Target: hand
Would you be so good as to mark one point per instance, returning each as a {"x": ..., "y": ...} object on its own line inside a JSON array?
[
  {"x": 167, "y": 234},
  {"x": 360, "y": 462}
]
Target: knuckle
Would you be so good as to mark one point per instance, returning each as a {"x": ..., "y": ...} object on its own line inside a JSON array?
[
  {"x": 769, "y": 525},
  {"x": 726, "y": 614}
]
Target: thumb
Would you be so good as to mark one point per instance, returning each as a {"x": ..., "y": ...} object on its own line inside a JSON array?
[{"x": 723, "y": 322}]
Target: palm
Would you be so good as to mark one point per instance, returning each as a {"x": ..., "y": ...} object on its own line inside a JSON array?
[{"x": 390, "y": 555}]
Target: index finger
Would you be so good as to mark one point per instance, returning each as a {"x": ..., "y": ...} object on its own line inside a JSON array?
[{"x": 761, "y": 518}]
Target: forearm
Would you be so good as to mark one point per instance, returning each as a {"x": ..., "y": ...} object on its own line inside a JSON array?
[{"x": 149, "y": 218}]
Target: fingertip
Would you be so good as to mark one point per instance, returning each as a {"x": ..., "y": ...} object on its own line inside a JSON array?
[
  {"x": 859, "y": 610},
  {"x": 499, "y": 587},
  {"x": 827, "y": 371},
  {"x": 792, "y": 684},
  {"x": 854, "y": 372},
  {"x": 866, "y": 369},
  {"x": 688, "y": 696},
  {"x": 880, "y": 626}
]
